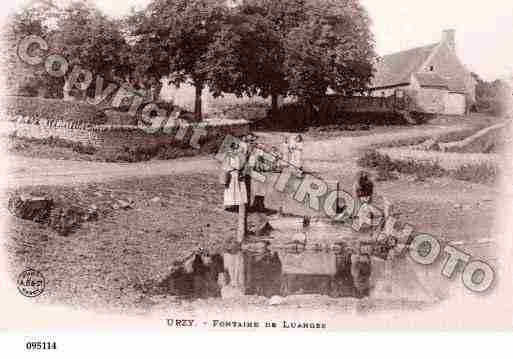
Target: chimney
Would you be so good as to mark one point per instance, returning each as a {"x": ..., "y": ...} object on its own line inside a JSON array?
[{"x": 449, "y": 37}]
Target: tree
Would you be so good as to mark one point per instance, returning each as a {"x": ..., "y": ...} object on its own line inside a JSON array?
[
  {"x": 293, "y": 47},
  {"x": 333, "y": 48},
  {"x": 246, "y": 57},
  {"x": 492, "y": 96},
  {"x": 172, "y": 38},
  {"x": 30, "y": 19},
  {"x": 88, "y": 38},
  {"x": 252, "y": 46}
]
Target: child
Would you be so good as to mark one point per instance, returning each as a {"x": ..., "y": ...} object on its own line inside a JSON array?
[
  {"x": 296, "y": 152},
  {"x": 363, "y": 191},
  {"x": 258, "y": 164},
  {"x": 285, "y": 151},
  {"x": 363, "y": 188}
]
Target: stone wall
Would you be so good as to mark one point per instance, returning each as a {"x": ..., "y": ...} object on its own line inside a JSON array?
[
  {"x": 113, "y": 137},
  {"x": 336, "y": 108},
  {"x": 363, "y": 104}
]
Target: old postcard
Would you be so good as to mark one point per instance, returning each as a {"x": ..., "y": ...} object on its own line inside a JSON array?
[{"x": 263, "y": 165}]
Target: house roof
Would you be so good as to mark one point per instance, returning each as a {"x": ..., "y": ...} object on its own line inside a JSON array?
[
  {"x": 396, "y": 69},
  {"x": 431, "y": 79}
]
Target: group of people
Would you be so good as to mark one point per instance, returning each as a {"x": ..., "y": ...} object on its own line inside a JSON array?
[{"x": 241, "y": 158}]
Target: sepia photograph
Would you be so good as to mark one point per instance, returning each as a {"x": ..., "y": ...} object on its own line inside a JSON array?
[{"x": 268, "y": 165}]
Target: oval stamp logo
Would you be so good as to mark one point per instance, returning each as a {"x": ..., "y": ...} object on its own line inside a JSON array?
[{"x": 31, "y": 283}]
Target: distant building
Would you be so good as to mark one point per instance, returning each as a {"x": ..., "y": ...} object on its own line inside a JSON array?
[{"x": 432, "y": 75}]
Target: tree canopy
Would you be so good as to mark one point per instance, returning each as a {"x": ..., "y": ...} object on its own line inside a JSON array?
[
  {"x": 172, "y": 38},
  {"x": 254, "y": 47}
]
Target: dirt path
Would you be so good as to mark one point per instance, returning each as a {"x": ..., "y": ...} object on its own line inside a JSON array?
[
  {"x": 341, "y": 148},
  {"x": 326, "y": 157},
  {"x": 23, "y": 171}
]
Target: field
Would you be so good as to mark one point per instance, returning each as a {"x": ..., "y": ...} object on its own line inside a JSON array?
[
  {"x": 113, "y": 264},
  {"x": 117, "y": 262}
]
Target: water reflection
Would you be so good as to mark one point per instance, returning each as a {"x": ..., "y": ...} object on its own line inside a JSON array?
[{"x": 269, "y": 273}]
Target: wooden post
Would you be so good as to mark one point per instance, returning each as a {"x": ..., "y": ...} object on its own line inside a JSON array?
[
  {"x": 241, "y": 228},
  {"x": 243, "y": 211},
  {"x": 337, "y": 209}
]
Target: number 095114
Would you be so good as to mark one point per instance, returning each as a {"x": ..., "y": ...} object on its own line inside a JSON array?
[{"x": 40, "y": 345}]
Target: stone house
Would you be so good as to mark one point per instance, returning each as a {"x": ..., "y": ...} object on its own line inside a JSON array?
[{"x": 432, "y": 76}]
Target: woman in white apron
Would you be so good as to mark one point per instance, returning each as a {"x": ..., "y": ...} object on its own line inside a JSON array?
[{"x": 235, "y": 192}]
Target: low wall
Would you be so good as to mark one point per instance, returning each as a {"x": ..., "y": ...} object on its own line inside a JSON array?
[
  {"x": 490, "y": 139},
  {"x": 337, "y": 103},
  {"x": 113, "y": 136},
  {"x": 285, "y": 199}
]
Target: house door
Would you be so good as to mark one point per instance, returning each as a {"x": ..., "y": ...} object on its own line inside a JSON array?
[{"x": 456, "y": 104}]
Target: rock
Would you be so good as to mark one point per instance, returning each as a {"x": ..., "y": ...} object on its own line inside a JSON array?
[
  {"x": 66, "y": 220},
  {"x": 34, "y": 208},
  {"x": 457, "y": 206},
  {"x": 92, "y": 213},
  {"x": 430, "y": 145},
  {"x": 155, "y": 199},
  {"x": 125, "y": 204},
  {"x": 276, "y": 300},
  {"x": 262, "y": 229}
]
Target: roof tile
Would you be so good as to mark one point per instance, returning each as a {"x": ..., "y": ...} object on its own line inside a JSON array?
[{"x": 397, "y": 68}]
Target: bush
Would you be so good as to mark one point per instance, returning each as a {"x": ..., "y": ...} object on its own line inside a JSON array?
[
  {"x": 483, "y": 172},
  {"x": 59, "y": 142},
  {"x": 296, "y": 116},
  {"x": 251, "y": 111},
  {"x": 121, "y": 115},
  {"x": 477, "y": 173},
  {"x": 385, "y": 166},
  {"x": 52, "y": 109},
  {"x": 161, "y": 151}
]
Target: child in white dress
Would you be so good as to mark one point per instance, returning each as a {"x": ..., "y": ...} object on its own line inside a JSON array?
[
  {"x": 285, "y": 152},
  {"x": 296, "y": 152}
]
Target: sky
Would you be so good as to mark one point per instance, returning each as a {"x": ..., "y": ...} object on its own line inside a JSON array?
[{"x": 484, "y": 29}]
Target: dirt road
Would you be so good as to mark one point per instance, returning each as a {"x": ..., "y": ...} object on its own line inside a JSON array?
[
  {"x": 23, "y": 171},
  {"x": 322, "y": 156}
]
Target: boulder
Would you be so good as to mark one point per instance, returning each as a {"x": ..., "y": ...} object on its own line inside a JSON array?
[
  {"x": 34, "y": 208},
  {"x": 430, "y": 145},
  {"x": 129, "y": 204},
  {"x": 65, "y": 220}
]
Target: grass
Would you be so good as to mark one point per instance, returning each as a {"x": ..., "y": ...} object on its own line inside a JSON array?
[
  {"x": 479, "y": 172},
  {"x": 19, "y": 144},
  {"x": 108, "y": 263},
  {"x": 449, "y": 136},
  {"x": 57, "y": 148}
]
